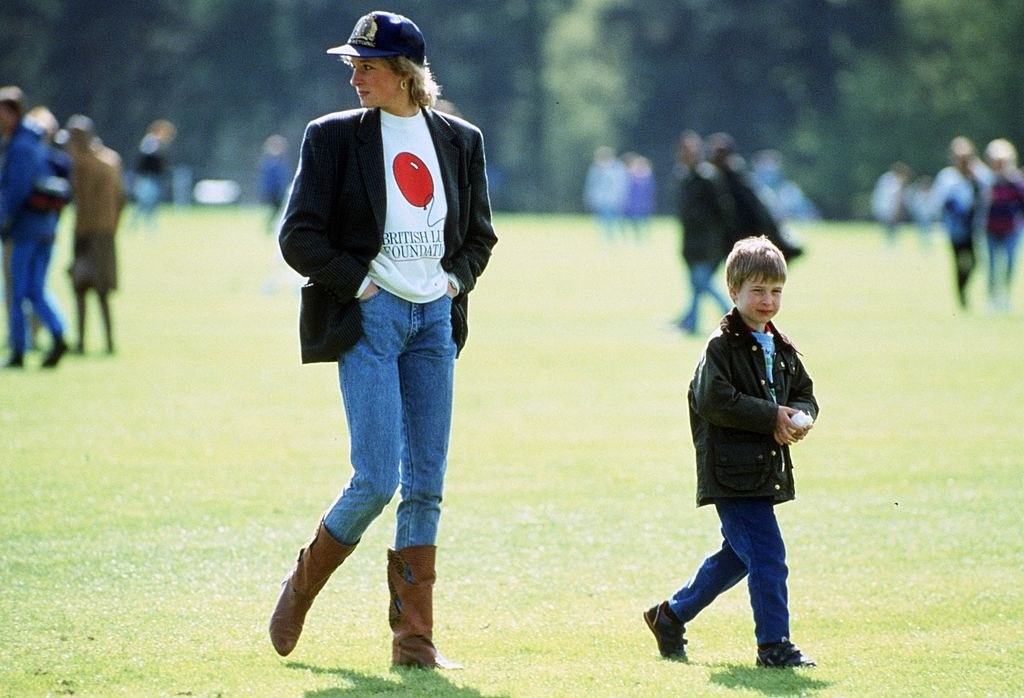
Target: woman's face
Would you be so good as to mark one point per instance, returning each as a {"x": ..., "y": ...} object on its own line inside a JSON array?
[{"x": 377, "y": 85}]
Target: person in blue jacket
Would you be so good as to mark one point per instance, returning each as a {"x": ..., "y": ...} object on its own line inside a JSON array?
[
  {"x": 29, "y": 226},
  {"x": 274, "y": 176}
]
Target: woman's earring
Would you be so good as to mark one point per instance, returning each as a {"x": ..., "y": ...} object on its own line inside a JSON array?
[{"x": 403, "y": 84}]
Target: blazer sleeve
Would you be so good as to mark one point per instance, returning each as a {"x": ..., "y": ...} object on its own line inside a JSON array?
[
  {"x": 304, "y": 238},
  {"x": 475, "y": 229}
]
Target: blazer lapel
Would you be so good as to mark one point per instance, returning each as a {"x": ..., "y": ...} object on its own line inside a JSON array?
[
  {"x": 371, "y": 164},
  {"x": 447, "y": 149}
]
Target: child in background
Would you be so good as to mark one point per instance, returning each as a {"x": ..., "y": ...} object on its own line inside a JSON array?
[
  {"x": 1003, "y": 220},
  {"x": 750, "y": 399}
]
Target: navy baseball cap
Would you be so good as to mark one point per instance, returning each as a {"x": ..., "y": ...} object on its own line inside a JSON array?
[{"x": 380, "y": 34}]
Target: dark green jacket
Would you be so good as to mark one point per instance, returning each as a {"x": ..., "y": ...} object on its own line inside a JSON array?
[{"x": 732, "y": 414}]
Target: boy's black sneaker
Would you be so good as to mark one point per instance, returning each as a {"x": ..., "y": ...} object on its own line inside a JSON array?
[
  {"x": 781, "y": 655},
  {"x": 668, "y": 631}
]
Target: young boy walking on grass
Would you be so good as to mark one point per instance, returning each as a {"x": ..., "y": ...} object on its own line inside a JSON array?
[{"x": 750, "y": 399}]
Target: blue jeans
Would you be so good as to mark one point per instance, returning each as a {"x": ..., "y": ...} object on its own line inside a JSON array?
[
  {"x": 30, "y": 261},
  {"x": 701, "y": 276},
  {"x": 1002, "y": 258},
  {"x": 147, "y": 197},
  {"x": 396, "y": 384},
  {"x": 752, "y": 548}
]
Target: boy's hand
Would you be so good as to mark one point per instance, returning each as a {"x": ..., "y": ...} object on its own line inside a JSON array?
[{"x": 786, "y": 432}]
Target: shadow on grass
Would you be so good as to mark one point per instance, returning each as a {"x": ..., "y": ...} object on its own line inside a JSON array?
[
  {"x": 407, "y": 681},
  {"x": 770, "y": 682}
]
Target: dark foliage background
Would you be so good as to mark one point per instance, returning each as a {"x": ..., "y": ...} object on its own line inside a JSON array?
[{"x": 840, "y": 87}]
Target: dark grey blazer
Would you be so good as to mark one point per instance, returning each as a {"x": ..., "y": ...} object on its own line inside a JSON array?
[{"x": 334, "y": 223}]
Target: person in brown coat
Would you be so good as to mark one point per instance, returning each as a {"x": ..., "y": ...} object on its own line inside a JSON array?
[{"x": 99, "y": 199}]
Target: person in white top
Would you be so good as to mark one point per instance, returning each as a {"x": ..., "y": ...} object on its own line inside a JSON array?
[
  {"x": 390, "y": 219},
  {"x": 887, "y": 199}
]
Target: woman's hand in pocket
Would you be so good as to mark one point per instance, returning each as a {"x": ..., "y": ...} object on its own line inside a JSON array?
[{"x": 371, "y": 290}]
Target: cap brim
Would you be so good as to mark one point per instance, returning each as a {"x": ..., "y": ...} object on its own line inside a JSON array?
[{"x": 361, "y": 51}]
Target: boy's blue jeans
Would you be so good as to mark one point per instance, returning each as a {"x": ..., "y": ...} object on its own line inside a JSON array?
[
  {"x": 752, "y": 548},
  {"x": 396, "y": 384}
]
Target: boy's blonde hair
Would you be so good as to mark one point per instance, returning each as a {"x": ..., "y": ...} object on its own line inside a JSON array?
[{"x": 754, "y": 258}]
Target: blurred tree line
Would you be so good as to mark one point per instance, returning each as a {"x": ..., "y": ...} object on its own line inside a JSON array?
[{"x": 840, "y": 87}]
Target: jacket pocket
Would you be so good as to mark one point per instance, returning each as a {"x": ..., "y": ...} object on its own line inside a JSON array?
[
  {"x": 460, "y": 321},
  {"x": 742, "y": 466},
  {"x": 327, "y": 327}
]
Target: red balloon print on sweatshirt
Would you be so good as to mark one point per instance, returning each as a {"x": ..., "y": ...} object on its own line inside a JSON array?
[{"x": 414, "y": 180}]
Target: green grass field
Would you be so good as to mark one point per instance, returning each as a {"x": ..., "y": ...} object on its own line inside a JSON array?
[{"x": 154, "y": 500}]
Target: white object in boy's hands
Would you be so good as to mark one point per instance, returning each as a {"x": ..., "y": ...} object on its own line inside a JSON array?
[{"x": 802, "y": 419}]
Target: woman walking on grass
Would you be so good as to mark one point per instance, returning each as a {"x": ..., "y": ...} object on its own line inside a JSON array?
[{"x": 390, "y": 219}]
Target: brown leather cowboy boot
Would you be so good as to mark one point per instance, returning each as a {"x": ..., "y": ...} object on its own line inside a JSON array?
[
  {"x": 316, "y": 562},
  {"x": 411, "y": 578}
]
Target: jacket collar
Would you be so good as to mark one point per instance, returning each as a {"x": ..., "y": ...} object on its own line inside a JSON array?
[
  {"x": 737, "y": 331},
  {"x": 370, "y": 152}
]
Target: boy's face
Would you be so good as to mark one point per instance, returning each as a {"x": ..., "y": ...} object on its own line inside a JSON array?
[{"x": 758, "y": 301}]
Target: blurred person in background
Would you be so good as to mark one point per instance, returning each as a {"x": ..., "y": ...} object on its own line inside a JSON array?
[
  {"x": 956, "y": 198},
  {"x": 605, "y": 189},
  {"x": 783, "y": 197},
  {"x": 752, "y": 216},
  {"x": 1003, "y": 220},
  {"x": 917, "y": 205},
  {"x": 390, "y": 219},
  {"x": 274, "y": 176},
  {"x": 706, "y": 216},
  {"x": 54, "y": 192},
  {"x": 888, "y": 197},
  {"x": 99, "y": 200},
  {"x": 29, "y": 214},
  {"x": 640, "y": 194},
  {"x": 151, "y": 171}
]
